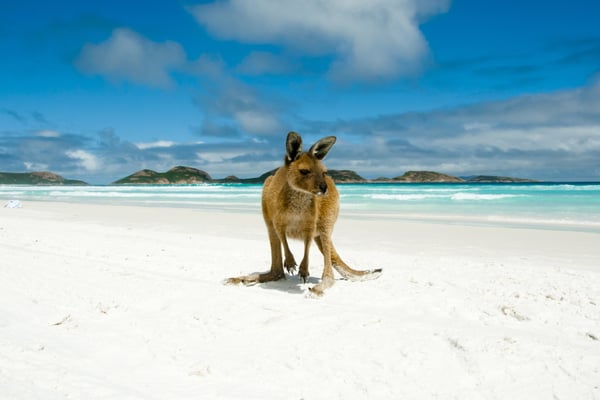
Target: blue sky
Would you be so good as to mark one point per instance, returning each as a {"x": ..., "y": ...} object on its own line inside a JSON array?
[{"x": 99, "y": 90}]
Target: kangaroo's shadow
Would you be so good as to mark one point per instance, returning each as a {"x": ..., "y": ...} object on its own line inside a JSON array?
[{"x": 291, "y": 284}]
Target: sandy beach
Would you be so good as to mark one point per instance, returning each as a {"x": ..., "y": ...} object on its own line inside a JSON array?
[{"x": 114, "y": 302}]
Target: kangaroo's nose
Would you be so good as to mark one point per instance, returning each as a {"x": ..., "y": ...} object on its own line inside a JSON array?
[{"x": 323, "y": 187}]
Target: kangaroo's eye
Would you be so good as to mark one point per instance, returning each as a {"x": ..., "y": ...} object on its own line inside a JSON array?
[{"x": 305, "y": 171}]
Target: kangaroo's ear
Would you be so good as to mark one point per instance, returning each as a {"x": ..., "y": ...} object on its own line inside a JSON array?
[
  {"x": 293, "y": 146},
  {"x": 322, "y": 147}
]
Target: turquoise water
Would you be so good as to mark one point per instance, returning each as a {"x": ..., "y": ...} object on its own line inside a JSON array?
[{"x": 573, "y": 206}]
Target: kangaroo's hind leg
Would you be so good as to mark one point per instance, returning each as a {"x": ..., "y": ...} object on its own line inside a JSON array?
[
  {"x": 344, "y": 269},
  {"x": 327, "y": 278},
  {"x": 276, "y": 272}
]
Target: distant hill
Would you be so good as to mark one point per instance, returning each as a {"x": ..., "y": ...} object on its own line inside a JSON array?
[
  {"x": 436, "y": 177},
  {"x": 36, "y": 178},
  {"x": 176, "y": 175},
  {"x": 339, "y": 176},
  {"x": 424, "y": 177},
  {"x": 496, "y": 179},
  {"x": 260, "y": 179},
  {"x": 345, "y": 176},
  {"x": 189, "y": 175}
]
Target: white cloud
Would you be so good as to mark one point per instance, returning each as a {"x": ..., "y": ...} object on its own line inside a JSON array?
[
  {"x": 256, "y": 121},
  {"x": 475, "y": 126},
  {"x": 86, "y": 159},
  {"x": 34, "y": 166},
  {"x": 128, "y": 55},
  {"x": 554, "y": 136},
  {"x": 260, "y": 62},
  {"x": 233, "y": 103},
  {"x": 48, "y": 134},
  {"x": 369, "y": 40},
  {"x": 572, "y": 139},
  {"x": 157, "y": 144},
  {"x": 206, "y": 65}
]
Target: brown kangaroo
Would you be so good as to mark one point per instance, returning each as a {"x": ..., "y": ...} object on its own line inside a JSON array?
[{"x": 301, "y": 202}]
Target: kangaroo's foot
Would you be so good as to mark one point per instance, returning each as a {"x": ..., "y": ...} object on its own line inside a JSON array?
[
  {"x": 319, "y": 289},
  {"x": 253, "y": 279}
]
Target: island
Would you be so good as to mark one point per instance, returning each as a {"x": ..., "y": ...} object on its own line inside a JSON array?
[
  {"x": 422, "y": 177},
  {"x": 175, "y": 176}
]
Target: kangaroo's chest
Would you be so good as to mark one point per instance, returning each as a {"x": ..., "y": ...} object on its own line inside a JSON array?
[{"x": 299, "y": 216}]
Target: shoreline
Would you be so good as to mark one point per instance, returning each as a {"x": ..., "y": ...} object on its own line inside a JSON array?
[
  {"x": 573, "y": 208},
  {"x": 475, "y": 220},
  {"x": 120, "y": 301}
]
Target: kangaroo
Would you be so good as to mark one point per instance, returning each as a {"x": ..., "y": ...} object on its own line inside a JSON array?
[{"x": 301, "y": 202}]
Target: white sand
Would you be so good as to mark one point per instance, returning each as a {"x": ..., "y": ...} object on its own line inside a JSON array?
[{"x": 107, "y": 302}]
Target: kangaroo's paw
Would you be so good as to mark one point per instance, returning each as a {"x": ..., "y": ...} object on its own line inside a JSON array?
[
  {"x": 290, "y": 266},
  {"x": 303, "y": 272},
  {"x": 304, "y": 276}
]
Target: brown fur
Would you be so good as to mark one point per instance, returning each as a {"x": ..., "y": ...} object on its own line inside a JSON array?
[{"x": 301, "y": 202}]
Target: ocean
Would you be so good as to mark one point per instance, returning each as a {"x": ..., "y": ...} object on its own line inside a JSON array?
[{"x": 570, "y": 206}]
